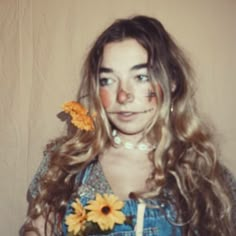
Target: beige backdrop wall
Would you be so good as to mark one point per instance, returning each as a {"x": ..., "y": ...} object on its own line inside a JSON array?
[{"x": 42, "y": 44}]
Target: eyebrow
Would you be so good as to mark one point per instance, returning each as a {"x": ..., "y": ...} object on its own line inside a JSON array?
[
  {"x": 135, "y": 67},
  {"x": 139, "y": 66}
]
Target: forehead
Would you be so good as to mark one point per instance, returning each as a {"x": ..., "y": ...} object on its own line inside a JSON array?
[{"x": 123, "y": 54}]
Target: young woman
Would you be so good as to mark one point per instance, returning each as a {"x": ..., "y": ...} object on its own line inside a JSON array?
[{"x": 137, "y": 159}]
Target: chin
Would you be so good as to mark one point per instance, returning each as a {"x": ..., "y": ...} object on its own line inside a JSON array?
[{"x": 130, "y": 130}]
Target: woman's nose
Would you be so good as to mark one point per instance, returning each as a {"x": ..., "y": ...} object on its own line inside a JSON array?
[{"x": 124, "y": 97}]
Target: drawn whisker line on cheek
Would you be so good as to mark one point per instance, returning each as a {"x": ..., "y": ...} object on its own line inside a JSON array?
[
  {"x": 149, "y": 110},
  {"x": 134, "y": 112}
]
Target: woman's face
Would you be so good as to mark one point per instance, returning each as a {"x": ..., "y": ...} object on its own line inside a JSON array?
[{"x": 125, "y": 88}]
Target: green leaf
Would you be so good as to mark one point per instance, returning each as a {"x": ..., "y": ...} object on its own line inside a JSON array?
[
  {"x": 70, "y": 234},
  {"x": 129, "y": 220},
  {"x": 93, "y": 228}
]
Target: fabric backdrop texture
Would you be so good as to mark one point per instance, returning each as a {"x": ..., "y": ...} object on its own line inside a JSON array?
[{"x": 42, "y": 47}]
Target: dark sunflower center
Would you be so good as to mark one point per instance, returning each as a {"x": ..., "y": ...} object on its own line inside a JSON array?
[{"x": 106, "y": 210}]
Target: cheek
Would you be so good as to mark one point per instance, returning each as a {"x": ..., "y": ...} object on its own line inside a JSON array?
[
  {"x": 105, "y": 98},
  {"x": 153, "y": 99}
]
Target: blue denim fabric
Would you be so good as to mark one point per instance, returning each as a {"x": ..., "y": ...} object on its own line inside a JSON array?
[{"x": 156, "y": 220}]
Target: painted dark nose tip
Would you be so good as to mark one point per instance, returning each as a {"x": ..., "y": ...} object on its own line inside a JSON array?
[{"x": 124, "y": 97}]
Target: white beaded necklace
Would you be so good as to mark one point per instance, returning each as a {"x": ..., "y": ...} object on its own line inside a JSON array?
[{"x": 128, "y": 145}]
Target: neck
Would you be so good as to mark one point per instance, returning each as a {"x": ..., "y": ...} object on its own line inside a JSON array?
[{"x": 134, "y": 138}]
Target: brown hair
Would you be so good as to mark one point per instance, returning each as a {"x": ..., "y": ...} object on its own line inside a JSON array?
[{"x": 186, "y": 170}]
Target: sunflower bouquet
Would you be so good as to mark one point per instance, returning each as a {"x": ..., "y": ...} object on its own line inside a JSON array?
[{"x": 99, "y": 216}]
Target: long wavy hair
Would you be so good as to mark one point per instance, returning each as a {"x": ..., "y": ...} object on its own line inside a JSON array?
[{"x": 186, "y": 170}]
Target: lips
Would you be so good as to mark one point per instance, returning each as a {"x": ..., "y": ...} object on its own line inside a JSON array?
[
  {"x": 126, "y": 113},
  {"x": 130, "y": 112},
  {"x": 126, "y": 116}
]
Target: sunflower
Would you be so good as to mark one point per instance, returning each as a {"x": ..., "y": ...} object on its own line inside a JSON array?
[
  {"x": 79, "y": 115},
  {"x": 74, "y": 107},
  {"x": 76, "y": 221},
  {"x": 83, "y": 122},
  {"x": 105, "y": 211}
]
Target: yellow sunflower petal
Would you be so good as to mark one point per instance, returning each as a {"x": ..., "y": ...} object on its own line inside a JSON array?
[
  {"x": 74, "y": 224},
  {"x": 118, "y": 205},
  {"x": 110, "y": 222},
  {"x": 77, "y": 205},
  {"x": 103, "y": 225},
  {"x": 92, "y": 216},
  {"x": 118, "y": 217},
  {"x": 114, "y": 201},
  {"x": 99, "y": 198},
  {"x": 94, "y": 205},
  {"x": 71, "y": 219}
]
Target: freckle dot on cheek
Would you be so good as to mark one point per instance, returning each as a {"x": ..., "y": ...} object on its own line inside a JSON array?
[{"x": 105, "y": 98}]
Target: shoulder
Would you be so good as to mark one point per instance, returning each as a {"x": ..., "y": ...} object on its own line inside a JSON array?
[
  {"x": 34, "y": 186},
  {"x": 230, "y": 180}
]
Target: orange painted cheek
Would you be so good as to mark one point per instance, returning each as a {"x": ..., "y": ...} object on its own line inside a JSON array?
[
  {"x": 105, "y": 98},
  {"x": 153, "y": 99},
  {"x": 160, "y": 91}
]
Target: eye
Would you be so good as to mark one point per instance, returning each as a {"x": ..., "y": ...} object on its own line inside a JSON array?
[
  {"x": 105, "y": 82},
  {"x": 142, "y": 78}
]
